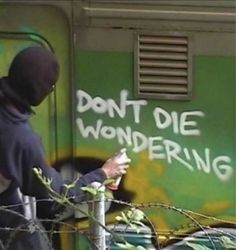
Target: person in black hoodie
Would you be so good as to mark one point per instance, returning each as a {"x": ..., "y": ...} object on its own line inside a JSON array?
[{"x": 32, "y": 76}]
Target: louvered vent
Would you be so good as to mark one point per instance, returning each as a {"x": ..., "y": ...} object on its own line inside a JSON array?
[{"x": 163, "y": 67}]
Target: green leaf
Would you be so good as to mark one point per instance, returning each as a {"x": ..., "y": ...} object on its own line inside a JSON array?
[
  {"x": 118, "y": 218},
  {"x": 37, "y": 170},
  {"x": 49, "y": 181},
  {"x": 139, "y": 223},
  {"x": 137, "y": 214},
  {"x": 124, "y": 218},
  {"x": 128, "y": 246},
  {"x": 125, "y": 245},
  {"x": 109, "y": 195},
  {"x": 197, "y": 246},
  {"x": 89, "y": 190},
  {"x": 140, "y": 248},
  {"x": 71, "y": 185},
  {"x": 227, "y": 242}
]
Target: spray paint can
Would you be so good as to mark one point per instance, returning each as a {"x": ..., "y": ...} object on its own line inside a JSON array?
[{"x": 120, "y": 158}]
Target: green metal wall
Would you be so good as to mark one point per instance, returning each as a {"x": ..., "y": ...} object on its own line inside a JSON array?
[
  {"x": 190, "y": 162},
  {"x": 172, "y": 178}
]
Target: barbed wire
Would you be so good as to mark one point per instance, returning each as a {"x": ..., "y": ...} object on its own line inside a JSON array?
[{"x": 61, "y": 226}]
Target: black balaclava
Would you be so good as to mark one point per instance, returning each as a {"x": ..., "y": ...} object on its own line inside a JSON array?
[{"x": 31, "y": 77}]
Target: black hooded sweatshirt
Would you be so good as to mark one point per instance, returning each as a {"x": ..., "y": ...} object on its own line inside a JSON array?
[{"x": 21, "y": 151}]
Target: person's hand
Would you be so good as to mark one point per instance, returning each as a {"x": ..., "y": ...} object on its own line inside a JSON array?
[{"x": 113, "y": 169}]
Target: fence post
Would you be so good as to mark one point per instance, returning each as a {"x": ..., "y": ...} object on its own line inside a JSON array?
[{"x": 97, "y": 209}]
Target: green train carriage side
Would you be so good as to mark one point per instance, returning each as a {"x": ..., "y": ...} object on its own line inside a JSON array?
[{"x": 156, "y": 77}]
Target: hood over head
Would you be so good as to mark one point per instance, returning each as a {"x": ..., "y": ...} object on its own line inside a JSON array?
[{"x": 31, "y": 77}]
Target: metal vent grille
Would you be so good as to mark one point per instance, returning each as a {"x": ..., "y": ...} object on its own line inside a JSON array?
[{"x": 163, "y": 67}]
